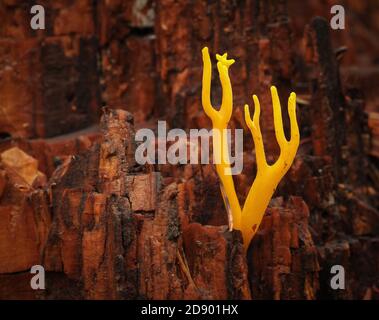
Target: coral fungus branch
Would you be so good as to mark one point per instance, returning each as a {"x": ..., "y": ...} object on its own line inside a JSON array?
[{"x": 268, "y": 176}]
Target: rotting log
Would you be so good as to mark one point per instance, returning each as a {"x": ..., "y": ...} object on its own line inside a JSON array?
[{"x": 119, "y": 230}]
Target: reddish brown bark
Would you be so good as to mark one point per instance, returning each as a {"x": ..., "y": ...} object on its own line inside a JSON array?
[
  {"x": 105, "y": 227},
  {"x": 121, "y": 232}
]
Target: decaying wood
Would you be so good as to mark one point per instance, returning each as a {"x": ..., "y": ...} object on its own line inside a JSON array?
[
  {"x": 49, "y": 79},
  {"x": 373, "y": 123},
  {"x": 284, "y": 254},
  {"x": 118, "y": 229},
  {"x": 73, "y": 199},
  {"x": 24, "y": 212}
]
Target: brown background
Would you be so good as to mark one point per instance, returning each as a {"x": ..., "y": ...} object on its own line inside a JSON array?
[{"x": 104, "y": 227}]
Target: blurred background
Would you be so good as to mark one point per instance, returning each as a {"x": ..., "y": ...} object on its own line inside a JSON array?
[{"x": 144, "y": 56}]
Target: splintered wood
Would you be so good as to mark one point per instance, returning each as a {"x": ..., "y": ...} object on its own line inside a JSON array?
[{"x": 74, "y": 200}]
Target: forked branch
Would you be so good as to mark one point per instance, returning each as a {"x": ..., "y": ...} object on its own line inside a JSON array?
[{"x": 268, "y": 176}]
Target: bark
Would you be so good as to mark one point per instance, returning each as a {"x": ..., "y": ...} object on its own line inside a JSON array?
[
  {"x": 117, "y": 228},
  {"x": 55, "y": 70},
  {"x": 73, "y": 199}
]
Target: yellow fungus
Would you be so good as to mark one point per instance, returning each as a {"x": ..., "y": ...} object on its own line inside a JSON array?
[{"x": 268, "y": 176}]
